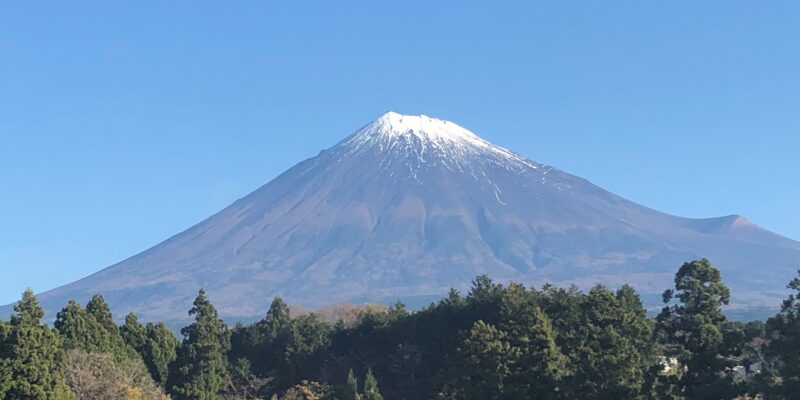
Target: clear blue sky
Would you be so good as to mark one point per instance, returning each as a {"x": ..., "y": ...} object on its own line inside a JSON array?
[{"x": 122, "y": 123}]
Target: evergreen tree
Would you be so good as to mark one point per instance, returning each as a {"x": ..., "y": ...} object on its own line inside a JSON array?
[
  {"x": 486, "y": 361},
  {"x": 304, "y": 346},
  {"x": 371, "y": 391},
  {"x": 484, "y": 296},
  {"x": 540, "y": 365},
  {"x": 397, "y": 311},
  {"x": 277, "y": 320},
  {"x": 72, "y": 325},
  {"x": 31, "y": 367},
  {"x": 692, "y": 329},
  {"x": 350, "y": 389},
  {"x": 263, "y": 343},
  {"x": 134, "y": 333},
  {"x": 266, "y": 341},
  {"x": 783, "y": 330},
  {"x": 564, "y": 308},
  {"x": 80, "y": 330},
  {"x": 155, "y": 343},
  {"x": 633, "y": 320},
  {"x": 201, "y": 366},
  {"x": 611, "y": 362},
  {"x": 5, "y": 331},
  {"x": 453, "y": 299},
  {"x": 540, "y": 357},
  {"x": 104, "y": 327},
  {"x": 160, "y": 350}
]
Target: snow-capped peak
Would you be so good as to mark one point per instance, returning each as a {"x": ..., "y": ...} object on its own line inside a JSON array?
[
  {"x": 430, "y": 141},
  {"x": 392, "y": 125}
]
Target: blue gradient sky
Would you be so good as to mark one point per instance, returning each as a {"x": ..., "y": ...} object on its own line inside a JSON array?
[{"x": 122, "y": 123}]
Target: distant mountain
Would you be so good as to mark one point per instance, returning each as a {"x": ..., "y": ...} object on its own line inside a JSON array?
[{"x": 410, "y": 206}]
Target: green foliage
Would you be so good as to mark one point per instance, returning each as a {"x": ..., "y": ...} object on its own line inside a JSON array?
[
  {"x": 485, "y": 295},
  {"x": 103, "y": 333},
  {"x": 277, "y": 320},
  {"x": 280, "y": 343},
  {"x": 160, "y": 350},
  {"x": 134, "y": 333},
  {"x": 496, "y": 343},
  {"x": 371, "y": 391},
  {"x": 155, "y": 343},
  {"x": 201, "y": 368},
  {"x": 515, "y": 359},
  {"x": 92, "y": 329},
  {"x": 692, "y": 329},
  {"x": 71, "y": 322},
  {"x": 31, "y": 366},
  {"x": 263, "y": 343},
  {"x": 529, "y": 330},
  {"x": 80, "y": 330},
  {"x": 5, "y": 330},
  {"x": 783, "y": 330},
  {"x": 611, "y": 360},
  {"x": 487, "y": 359},
  {"x": 349, "y": 390},
  {"x": 305, "y": 345}
]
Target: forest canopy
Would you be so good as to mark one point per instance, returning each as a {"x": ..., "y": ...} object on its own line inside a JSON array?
[{"x": 494, "y": 342}]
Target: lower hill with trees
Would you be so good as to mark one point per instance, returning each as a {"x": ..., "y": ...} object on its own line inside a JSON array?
[{"x": 496, "y": 342}]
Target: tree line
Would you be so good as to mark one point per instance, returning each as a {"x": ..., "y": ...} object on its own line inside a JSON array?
[{"x": 502, "y": 342}]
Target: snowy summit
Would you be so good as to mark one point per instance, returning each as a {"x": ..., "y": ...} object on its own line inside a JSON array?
[
  {"x": 391, "y": 125},
  {"x": 430, "y": 140}
]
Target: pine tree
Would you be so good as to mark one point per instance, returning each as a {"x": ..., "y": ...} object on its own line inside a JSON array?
[
  {"x": 540, "y": 365},
  {"x": 371, "y": 391},
  {"x": 264, "y": 343},
  {"x": 305, "y": 342},
  {"x": 5, "y": 332},
  {"x": 453, "y": 299},
  {"x": 201, "y": 367},
  {"x": 32, "y": 366},
  {"x": 160, "y": 351},
  {"x": 484, "y": 290},
  {"x": 783, "y": 330},
  {"x": 610, "y": 363},
  {"x": 692, "y": 329},
  {"x": 106, "y": 328},
  {"x": 563, "y": 307},
  {"x": 485, "y": 362},
  {"x": 79, "y": 330},
  {"x": 350, "y": 389},
  {"x": 134, "y": 333},
  {"x": 155, "y": 343},
  {"x": 278, "y": 318}
]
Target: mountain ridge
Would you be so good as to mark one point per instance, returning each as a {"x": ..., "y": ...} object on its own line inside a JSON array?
[{"x": 410, "y": 206}]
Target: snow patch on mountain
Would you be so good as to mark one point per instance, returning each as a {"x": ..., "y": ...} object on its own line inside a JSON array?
[{"x": 424, "y": 140}]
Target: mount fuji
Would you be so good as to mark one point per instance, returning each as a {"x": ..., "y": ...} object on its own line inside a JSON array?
[{"x": 410, "y": 206}]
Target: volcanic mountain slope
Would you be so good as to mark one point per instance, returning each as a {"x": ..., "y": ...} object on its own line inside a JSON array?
[{"x": 410, "y": 206}]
